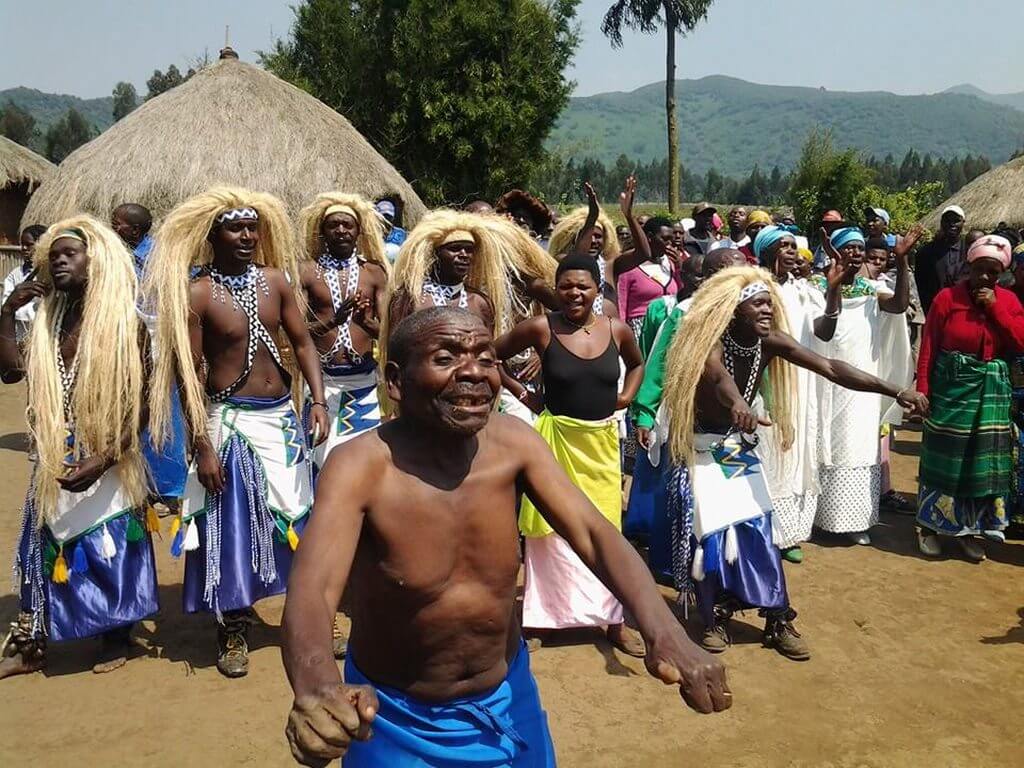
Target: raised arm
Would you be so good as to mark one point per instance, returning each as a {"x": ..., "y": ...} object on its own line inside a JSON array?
[
  {"x": 843, "y": 374},
  {"x": 671, "y": 655},
  {"x": 900, "y": 300},
  {"x": 839, "y": 270},
  {"x": 326, "y": 714},
  {"x": 641, "y": 246},
  {"x": 586, "y": 235},
  {"x": 531, "y": 333}
]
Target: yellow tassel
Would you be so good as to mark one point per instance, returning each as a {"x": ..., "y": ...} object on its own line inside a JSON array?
[
  {"x": 60, "y": 568},
  {"x": 175, "y": 526},
  {"x": 152, "y": 520},
  {"x": 293, "y": 538}
]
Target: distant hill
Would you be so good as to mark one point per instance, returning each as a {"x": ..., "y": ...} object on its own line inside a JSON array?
[
  {"x": 48, "y": 108},
  {"x": 1015, "y": 100},
  {"x": 732, "y": 124}
]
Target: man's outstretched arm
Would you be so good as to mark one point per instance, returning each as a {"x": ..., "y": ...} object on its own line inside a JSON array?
[
  {"x": 671, "y": 656},
  {"x": 326, "y": 714}
]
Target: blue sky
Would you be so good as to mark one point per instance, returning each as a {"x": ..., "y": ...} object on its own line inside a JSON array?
[{"x": 907, "y": 46}]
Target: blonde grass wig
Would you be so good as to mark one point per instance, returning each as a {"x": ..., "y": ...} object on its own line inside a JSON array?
[
  {"x": 107, "y": 400},
  {"x": 369, "y": 245},
  {"x": 708, "y": 318},
  {"x": 182, "y": 244},
  {"x": 569, "y": 227}
]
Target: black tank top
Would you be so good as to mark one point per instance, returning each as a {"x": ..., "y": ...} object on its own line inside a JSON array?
[{"x": 578, "y": 387}]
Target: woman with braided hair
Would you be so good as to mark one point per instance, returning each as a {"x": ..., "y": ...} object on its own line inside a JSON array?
[
  {"x": 85, "y": 561},
  {"x": 249, "y": 488},
  {"x": 732, "y": 344}
]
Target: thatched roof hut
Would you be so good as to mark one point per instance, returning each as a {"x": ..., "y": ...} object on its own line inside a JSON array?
[
  {"x": 991, "y": 198},
  {"x": 231, "y": 123},
  {"x": 21, "y": 171}
]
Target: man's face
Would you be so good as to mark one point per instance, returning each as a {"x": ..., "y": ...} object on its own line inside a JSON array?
[
  {"x": 625, "y": 239},
  {"x": 235, "y": 240},
  {"x": 28, "y": 244},
  {"x": 678, "y": 236},
  {"x": 755, "y": 314},
  {"x": 875, "y": 261},
  {"x": 876, "y": 226},
  {"x": 737, "y": 218},
  {"x": 450, "y": 381},
  {"x": 702, "y": 221},
  {"x": 128, "y": 232},
  {"x": 69, "y": 265},
  {"x": 952, "y": 225},
  {"x": 597, "y": 242},
  {"x": 454, "y": 260},
  {"x": 340, "y": 231}
]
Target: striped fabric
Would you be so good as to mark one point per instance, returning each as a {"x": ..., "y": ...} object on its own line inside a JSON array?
[{"x": 967, "y": 447}]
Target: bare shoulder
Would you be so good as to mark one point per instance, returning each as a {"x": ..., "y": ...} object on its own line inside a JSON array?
[
  {"x": 275, "y": 277},
  {"x": 199, "y": 293},
  {"x": 354, "y": 463},
  {"x": 375, "y": 272},
  {"x": 619, "y": 328},
  {"x": 307, "y": 272}
]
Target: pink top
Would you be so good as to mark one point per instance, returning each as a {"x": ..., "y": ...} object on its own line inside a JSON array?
[{"x": 637, "y": 289}]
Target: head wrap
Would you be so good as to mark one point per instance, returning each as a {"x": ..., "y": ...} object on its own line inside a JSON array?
[
  {"x": 832, "y": 216},
  {"x": 845, "y": 236},
  {"x": 751, "y": 290},
  {"x": 235, "y": 214},
  {"x": 768, "y": 237},
  {"x": 758, "y": 217},
  {"x": 341, "y": 208},
  {"x": 74, "y": 234},
  {"x": 458, "y": 236},
  {"x": 386, "y": 209},
  {"x": 1018, "y": 254},
  {"x": 806, "y": 254},
  {"x": 991, "y": 247}
]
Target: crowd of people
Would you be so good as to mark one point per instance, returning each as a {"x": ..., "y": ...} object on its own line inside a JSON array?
[{"x": 392, "y": 424}]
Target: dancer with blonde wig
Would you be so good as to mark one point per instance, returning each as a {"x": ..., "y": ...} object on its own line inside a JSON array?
[
  {"x": 85, "y": 560},
  {"x": 344, "y": 275},
  {"x": 249, "y": 489},
  {"x": 732, "y": 344}
]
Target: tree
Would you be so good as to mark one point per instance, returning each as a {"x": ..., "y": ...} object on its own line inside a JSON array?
[
  {"x": 125, "y": 100},
  {"x": 458, "y": 94},
  {"x": 67, "y": 135},
  {"x": 678, "y": 17},
  {"x": 164, "y": 81},
  {"x": 17, "y": 124},
  {"x": 825, "y": 178}
]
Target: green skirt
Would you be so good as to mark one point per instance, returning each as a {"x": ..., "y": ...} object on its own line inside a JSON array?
[{"x": 967, "y": 446}]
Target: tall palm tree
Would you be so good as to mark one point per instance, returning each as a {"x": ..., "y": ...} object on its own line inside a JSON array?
[{"x": 678, "y": 17}]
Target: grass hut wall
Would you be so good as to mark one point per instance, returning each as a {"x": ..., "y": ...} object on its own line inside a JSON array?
[
  {"x": 230, "y": 123},
  {"x": 21, "y": 172},
  {"x": 993, "y": 197}
]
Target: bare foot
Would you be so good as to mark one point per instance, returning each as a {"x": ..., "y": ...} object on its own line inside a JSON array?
[
  {"x": 19, "y": 665},
  {"x": 627, "y": 640}
]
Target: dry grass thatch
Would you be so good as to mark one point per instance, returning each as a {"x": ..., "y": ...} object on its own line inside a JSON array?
[
  {"x": 19, "y": 164},
  {"x": 232, "y": 123},
  {"x": 991, "y": 198}
]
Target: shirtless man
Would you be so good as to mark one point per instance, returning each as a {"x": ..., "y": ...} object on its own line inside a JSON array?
[
  {"x": 244, "y": 430},
  {"x": 419, "y": 517}
]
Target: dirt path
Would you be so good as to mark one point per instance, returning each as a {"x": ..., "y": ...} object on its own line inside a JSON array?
[{"x": 915, "y": 663}]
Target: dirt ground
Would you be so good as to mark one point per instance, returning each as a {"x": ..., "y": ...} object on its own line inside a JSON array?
[{"x": 915, "y": 663}]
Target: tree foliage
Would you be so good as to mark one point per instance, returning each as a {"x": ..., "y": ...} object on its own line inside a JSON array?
[
  {"x": 459, "y": 95},
  {"x": 17, "y": 124},
  {"x": 67, "y": 135},
  {"x": 125, "y": 100},
  {"x": 164, "y": 81}
]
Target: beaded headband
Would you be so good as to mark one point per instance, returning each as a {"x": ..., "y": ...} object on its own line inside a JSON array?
[
  {"x": 752, "y": 290},
  {"x": 235, "y": 214}
]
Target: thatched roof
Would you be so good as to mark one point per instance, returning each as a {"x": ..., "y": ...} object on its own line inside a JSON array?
[
  {"x": 230, "y": 123},
  {"x": 19, "y": 164},
  {"x": 991, "y": 198}
]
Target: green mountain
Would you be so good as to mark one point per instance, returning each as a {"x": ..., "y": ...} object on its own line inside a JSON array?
[
  {"x": 48, "y": 108},
  {"x": 1015, "y": 100},
  {"x": 732, "y": 124}
]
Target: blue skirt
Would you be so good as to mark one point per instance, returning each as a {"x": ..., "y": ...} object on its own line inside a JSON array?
[
  {"x": 99, "y": 595},
  {"x": 168, "y": 466},
  {"x": 647, "y": 514},
  {"x": 505, "y": 727},
  {"x": 755, "y": 579}
]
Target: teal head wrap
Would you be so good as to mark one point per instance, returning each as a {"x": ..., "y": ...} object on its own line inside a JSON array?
[{"x": 845, "y": 236}]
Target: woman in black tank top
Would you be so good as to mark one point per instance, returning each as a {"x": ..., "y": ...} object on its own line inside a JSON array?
[{"x": 580, "y": 353}]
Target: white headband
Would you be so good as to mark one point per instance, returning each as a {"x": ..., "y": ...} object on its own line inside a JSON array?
[
  {"x": 752, "y": 290},
  {"x": 237, "y": 213}
]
